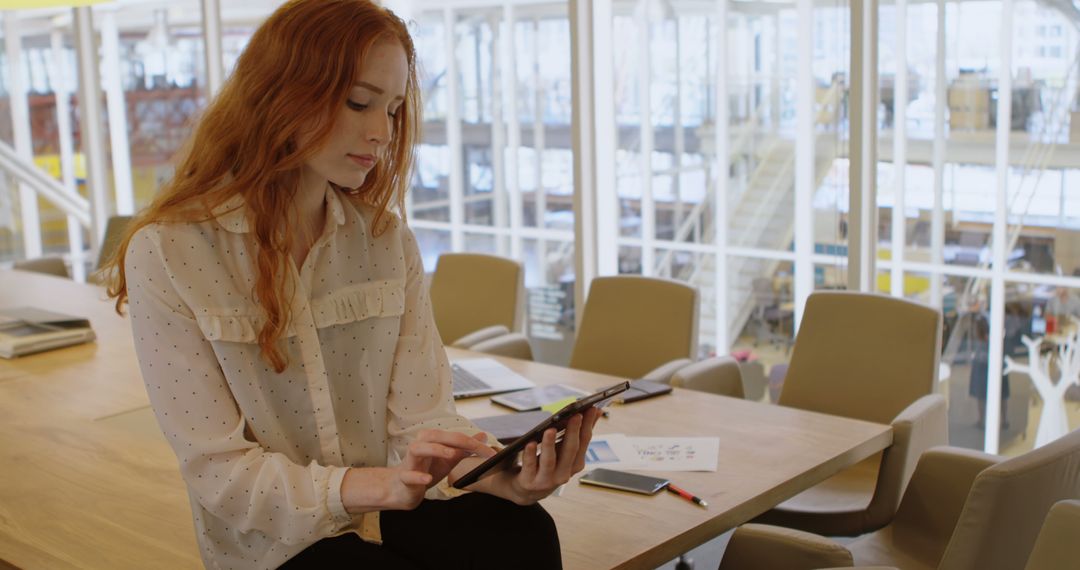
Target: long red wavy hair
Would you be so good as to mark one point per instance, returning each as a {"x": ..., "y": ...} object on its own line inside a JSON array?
[{"x": 295, "y": 72}]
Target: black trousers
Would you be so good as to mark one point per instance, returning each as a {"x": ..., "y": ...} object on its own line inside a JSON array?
[{"x": 473, "y": 531}]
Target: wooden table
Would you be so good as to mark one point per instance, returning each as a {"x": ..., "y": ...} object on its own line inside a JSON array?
[{"x": 88, "y": 481}]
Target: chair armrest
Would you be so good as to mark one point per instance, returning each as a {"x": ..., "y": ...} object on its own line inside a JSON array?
[
  {"x": 664, "y": 372},
  {"x": 935, "y": 497},
  {"x": 514, "y": 345},
  {"x": 766, "y": 547},
  {"x": 480, "y": 335},
  {"x": 717, "y": 375},
  {"x": 920, "y": 426}
]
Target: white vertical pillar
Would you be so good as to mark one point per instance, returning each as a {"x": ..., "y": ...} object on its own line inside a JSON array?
[
  {"x": 720, "y": 181},
  {"x": 604, "y": 139},
  {"x": 584, "y": 100},
  {"x": 774, "y": 104},
  {"x": 804, "y": 159},
  {"x": 453, "y": 135},
  {"x": 62, "y": 92},
  {"x": 211, "y": 31},
  {"x": 498, "y": 134},
  {"x": 513, "y": 134},
  {"x": 999, "y": 237},
  {"x": 20, "y": 127},
  {"x": 900, "y": 96},
  {"x": 937, "y": 219},
  {"x": 539, "y": 144},
  {"x": 117, "y": 115},
  {"x": 648, "y": 207},
  {"x": 862, "y": 175},
  {"x": 93, "y": 140},
  {"x": 680, "y": 135}
]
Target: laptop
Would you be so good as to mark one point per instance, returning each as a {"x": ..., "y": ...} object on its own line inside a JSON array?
[
  {"x": 26, "y": 330},
  {"x": 483, "y": 376}
]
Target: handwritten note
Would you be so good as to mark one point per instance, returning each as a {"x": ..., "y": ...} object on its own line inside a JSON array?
[{"x": 676, "y": 453}]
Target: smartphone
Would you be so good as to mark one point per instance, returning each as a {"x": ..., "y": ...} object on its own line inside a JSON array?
[
  {"x": 558, "y": 421},
  {"x": 624, "y": 481}
]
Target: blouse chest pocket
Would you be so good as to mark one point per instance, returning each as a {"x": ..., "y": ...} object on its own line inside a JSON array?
[
  {"x": 233, "y": 324},
  {"x": 374, "y": 299}
]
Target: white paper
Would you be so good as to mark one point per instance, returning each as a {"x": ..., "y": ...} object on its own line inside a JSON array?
[
  {"x": 676, "y": 453},
  {"x": 611, "y": 451}
]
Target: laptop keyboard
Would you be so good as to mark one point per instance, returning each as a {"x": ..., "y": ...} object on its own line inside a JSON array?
[{"x": 465, "y": 381}]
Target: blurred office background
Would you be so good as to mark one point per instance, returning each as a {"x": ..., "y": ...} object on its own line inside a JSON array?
[{"x": 712, "y": 142}]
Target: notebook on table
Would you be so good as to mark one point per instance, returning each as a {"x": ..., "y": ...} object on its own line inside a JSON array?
[
  {"x": 26, "y": 330},
  {"x": 483, "y": 376}
]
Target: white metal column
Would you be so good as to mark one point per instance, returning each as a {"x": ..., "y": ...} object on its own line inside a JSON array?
[
  {"x": 20, "y": 127},
  {"x": 900, "y": 144},
  {"x": 1001, "y": 211},
  {"x": 539, "y": 145},
  {"x": 721, "y": 179},
  {"x": 211, "y": 31},
  {"x": 498, "y": 134},
  {"x": 62, "y": 92},
  {"x": 937, "y": 219},
  {"x": 804, "y": 159},
  {"x": 584, "y": 102},
  {"x": 513, "y": 132},
  {"x": 862, "y": 174},
  {"x": 117, "y": 115},
  {"x": 648, "y": 207},
  {"x": 453, "y": 136},
  {"x": 604, "y": 140},
  {"x": 93, "y": 140}
]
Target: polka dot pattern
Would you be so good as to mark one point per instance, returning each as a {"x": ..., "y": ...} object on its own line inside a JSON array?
[{"x": 263, "y": 454}]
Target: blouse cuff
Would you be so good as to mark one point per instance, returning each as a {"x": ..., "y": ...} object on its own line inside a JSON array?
[{"x": 334, "y": 503}]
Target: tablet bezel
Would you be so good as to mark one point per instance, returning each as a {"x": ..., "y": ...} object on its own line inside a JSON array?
[{"x": 557, "y": 420}]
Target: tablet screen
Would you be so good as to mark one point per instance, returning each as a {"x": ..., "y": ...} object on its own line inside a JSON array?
[{"x": 557, "y": 420}]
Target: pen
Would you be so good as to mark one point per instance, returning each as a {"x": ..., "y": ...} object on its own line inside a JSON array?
[{"x": 687, "y": 495}]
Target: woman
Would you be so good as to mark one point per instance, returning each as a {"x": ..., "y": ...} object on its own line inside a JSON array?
[{"x": 284, "y": 333}]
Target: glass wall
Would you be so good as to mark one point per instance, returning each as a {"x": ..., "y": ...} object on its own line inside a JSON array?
[
  {"x": 495, "y": 168},
  {"x": 951, "y": 182},
  {"x": 496, "y": 162}
]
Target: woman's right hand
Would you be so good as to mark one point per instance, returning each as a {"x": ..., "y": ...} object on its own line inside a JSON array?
[{"x": 428, "y": 459}]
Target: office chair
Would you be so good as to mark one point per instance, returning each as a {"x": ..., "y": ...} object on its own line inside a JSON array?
[
  {"x": 719, "y": 375},
  {"x": 1056, "y": 546},
  {"x": 114, "y": 232},
  {"x": 768, "y": 317},
  {"x": 476, "y": 297},
  {"x": 50, "y": 265},
  {"x": 964, "y": 510},
  {"x": 631, "y": 326},
  {"x": 875, "y": 358}
]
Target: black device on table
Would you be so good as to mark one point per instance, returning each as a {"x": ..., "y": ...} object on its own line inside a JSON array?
[
  {"x": 558, "y": 421},
  {"x": 624, "y": 481}
]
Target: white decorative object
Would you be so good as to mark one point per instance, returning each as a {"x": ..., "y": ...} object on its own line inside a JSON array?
[{"x": 1053, "y": 423}]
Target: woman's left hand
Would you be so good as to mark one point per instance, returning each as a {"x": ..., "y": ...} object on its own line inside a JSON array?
[{"x": 540, "y": 475}]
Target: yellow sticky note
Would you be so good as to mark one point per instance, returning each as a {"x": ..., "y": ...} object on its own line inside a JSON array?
[{"x": 557, "y": 405}]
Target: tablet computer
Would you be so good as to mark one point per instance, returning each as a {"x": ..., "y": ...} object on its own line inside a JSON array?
[{"x": 558, "y": 420}]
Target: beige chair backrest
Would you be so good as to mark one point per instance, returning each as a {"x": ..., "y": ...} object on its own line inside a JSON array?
[
  {"x": 47, "y": 265},
  {"x": 1058, "y": 544},
  {"x": 632, "y": 325},
  {"x": 114, "y": 232},
  {"x": 470, "y": 291},
  {"x": 1008, "y": 503},
  {"x": 718, "y": 375},
  {"x": 862, "y": 355}
]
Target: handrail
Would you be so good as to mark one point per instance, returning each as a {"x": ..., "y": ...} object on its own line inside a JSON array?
[{"x": 70, "y": 203}]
